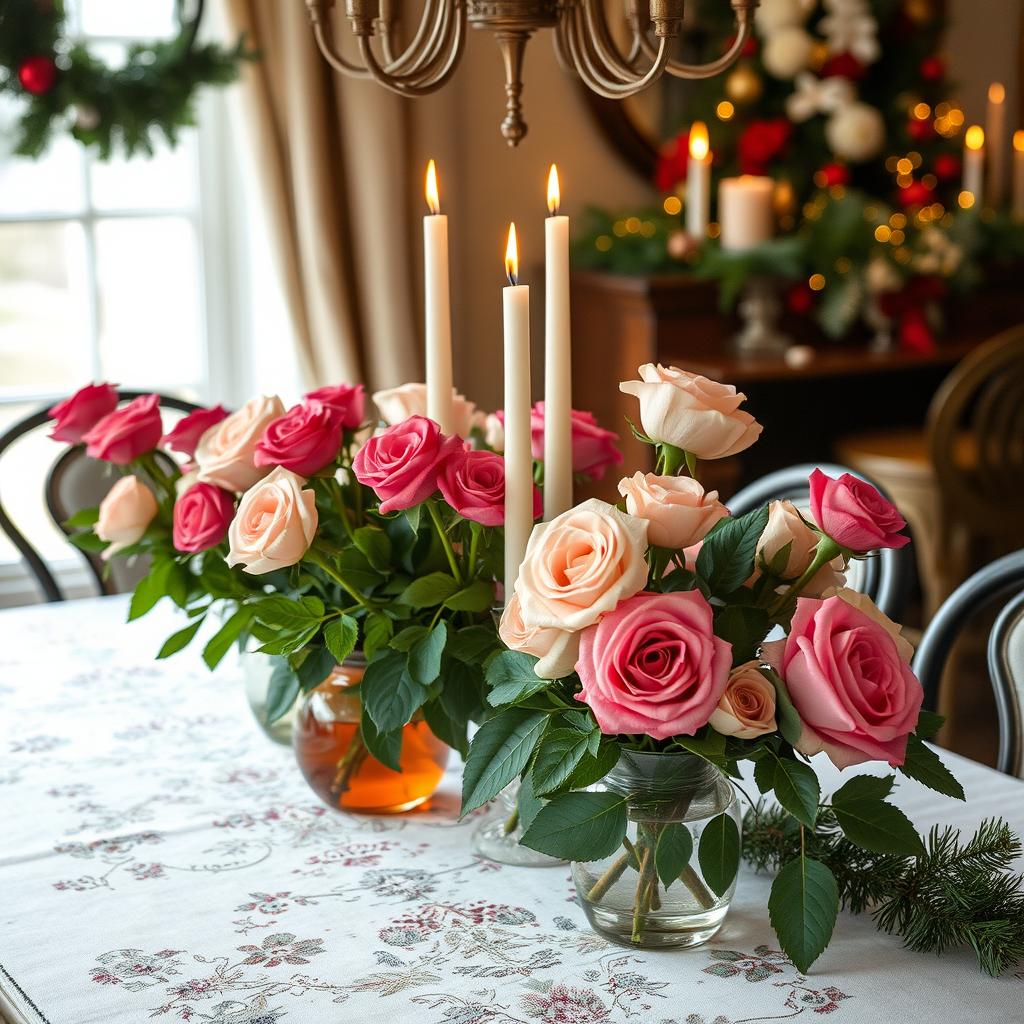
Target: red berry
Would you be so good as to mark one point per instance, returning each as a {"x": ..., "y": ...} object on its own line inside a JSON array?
[
  {"x": 800, "y": 299},
  {"x": 833, "y": 175},
  {"x": 946, "y": 167},
  {"x": 37, "y": 74},
  {"x": 932, "y": 69},
  {"x": 916, "y": 194},
  {"x": 920, "y": 131}
]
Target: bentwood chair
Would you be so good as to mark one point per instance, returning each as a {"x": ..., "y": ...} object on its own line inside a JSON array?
[
  {"x": 884, "y": 576},
  {"x": 73, "y": 481},
  {"x": 1003, "y": 578}
]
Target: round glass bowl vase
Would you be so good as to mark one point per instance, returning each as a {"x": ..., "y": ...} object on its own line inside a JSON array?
[
  {"x": 622, "y": 895},
  {"x": 336, "y": 763}
]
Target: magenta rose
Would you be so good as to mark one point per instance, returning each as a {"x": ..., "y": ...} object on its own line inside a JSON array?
[
  {"x": 848, "y": 674},
  {"x": 348, "y": 399},
  {"x": 82, "y": 411},
  {"x": 654, "y": 666},
  {"x": 202, "y": 516},
  {"x": 401, "y": 463},
  {"x": 854, "y": 514},
  {"x": 594, "y": 449},
  {"x": 473, "y": 483},
  {"x": 304, "y": 440},
  {"x": 185, "y": 435},
  {"x": 125, "y": 434}
]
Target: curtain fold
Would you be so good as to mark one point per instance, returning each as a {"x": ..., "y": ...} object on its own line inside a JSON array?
[{"x": 334, "y": 155}]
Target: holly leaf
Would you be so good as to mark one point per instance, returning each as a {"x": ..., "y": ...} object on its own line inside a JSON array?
[
  {"x": 924, "y": 765},
  {"x": 579, "y": 826},
  {"x": 803, "y": 907},
  {"x": 499, "y": 752},
  {"x": 673, "y": 852},
  {"x": 718, "y": 853}
]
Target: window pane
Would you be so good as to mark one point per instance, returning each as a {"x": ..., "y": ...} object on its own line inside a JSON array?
[
  {"x": 55, "y": 183},
  {"x": 143, "y": 18},
  {"x": 165, "y": 181},
  {"x": 150, "y": 324},
  {"x": 44, "y": 312}
]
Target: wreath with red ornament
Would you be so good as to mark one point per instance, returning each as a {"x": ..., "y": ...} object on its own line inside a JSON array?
[{"x": 63, "y": 87}]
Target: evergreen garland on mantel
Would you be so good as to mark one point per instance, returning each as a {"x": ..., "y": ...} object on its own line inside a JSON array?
[{"x": 116, "y": 110}]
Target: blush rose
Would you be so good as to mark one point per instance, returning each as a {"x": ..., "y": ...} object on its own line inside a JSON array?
[
  {"x": 226, "y": 451},
  {"x": 76, "y": 415},
  {"x": 854, "y": 514},
  {"x": 786, "y": 526},
  {"x": 125, "y": 434},
  {"x": 125, "y": 513},
  {"x": 746, "y": 709},
  {"x": 654, "y": 666},
  {"x": 202, "y": 515},
  {"x": 679, "y": 512},
  {"x": 397, "y": 404},
  {"x": 556, "y": 649}
]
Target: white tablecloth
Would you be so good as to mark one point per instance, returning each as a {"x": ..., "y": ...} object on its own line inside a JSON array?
[{"x": 160, "y": 858}]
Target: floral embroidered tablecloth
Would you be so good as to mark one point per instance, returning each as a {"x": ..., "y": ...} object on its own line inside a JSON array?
[{"x": 159, "y": 857}]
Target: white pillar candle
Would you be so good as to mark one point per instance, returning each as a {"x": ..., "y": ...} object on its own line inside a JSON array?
[
  {"x": 995, "y": 141},
  {"x": 745, "y": 211},
  {"x": 1018, "y": 175},
  {"x": 557, "y": 359},
  {"x": 698, "y": 183},
  {"x": 437, "y": 314},
  {"x": 974, "y": 166},
  {"x": 518, "y": 457}
]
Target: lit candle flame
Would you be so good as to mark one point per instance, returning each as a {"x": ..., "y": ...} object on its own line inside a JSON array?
[
  {"x": 996, "y": 92},
  {"x": 1018, "y": 141},
  {"x": 433, "y": 196},
  {"x": 554, "y": 193},
  {"x": 699, "y": 143},
  {"x": 512, "y": 256},
  {"x": 975, "y": 137}
]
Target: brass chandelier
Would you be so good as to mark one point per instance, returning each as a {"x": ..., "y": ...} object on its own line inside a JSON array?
[{"x": 584, "y": 44}]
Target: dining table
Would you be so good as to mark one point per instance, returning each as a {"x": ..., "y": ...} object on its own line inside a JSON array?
[{"x": 161, "y": 857}]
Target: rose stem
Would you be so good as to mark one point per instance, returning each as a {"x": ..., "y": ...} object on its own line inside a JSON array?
[
  {"x": 643, "y": 897},
  {"x": 611, "y": 875},
  {"x": 350, "y": 763},
  {"x": 511, "y": 822},
  {"x": 699, "y": 890}
]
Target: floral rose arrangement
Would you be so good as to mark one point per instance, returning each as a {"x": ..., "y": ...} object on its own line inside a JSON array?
[
  {"x": 312, "y": 532},
  {"x": 649, "y": 629}
]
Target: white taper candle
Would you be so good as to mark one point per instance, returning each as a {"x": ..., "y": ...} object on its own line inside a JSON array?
[
  {"x": 698, "y": 183},
  {"x": 437, "y": 311}
]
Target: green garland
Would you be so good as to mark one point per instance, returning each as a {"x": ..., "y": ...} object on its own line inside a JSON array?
[{"x": 114, "y": 110}]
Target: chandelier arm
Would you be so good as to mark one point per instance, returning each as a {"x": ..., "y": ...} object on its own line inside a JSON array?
[
  {"x": 595, "y": 77},
  {"x": 425, "y": 45},
  {"x": 744, "y": 27},
  {"x": 604, "y": 46},
  {"x": 324, "y": 36}
]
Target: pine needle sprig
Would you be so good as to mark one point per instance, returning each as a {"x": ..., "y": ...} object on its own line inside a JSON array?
[{"x": 956, "y": 895}]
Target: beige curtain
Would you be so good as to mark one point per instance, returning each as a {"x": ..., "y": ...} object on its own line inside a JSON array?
[{"x": 334, "y": 158}]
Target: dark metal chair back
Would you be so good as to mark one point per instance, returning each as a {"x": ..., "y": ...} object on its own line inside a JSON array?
[
  {"x": 884, "y": 576},
  {"x": 74, "y": 481},
  {"x": 1006, "y": 669}
]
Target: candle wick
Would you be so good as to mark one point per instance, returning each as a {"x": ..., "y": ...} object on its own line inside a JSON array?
[{"x": 513, "y": 279}]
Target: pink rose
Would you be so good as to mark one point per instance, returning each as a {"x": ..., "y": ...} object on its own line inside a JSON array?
[
  {"x": 786, "y": 528},
  {"x": 581, "y": 565},
  {"x": 401, "y": 463},
  {"x": 125, "y": 434},
  {"x": 746, "y": 709},
  {"x": 275, "y": 524},
  {"x": 304, "y": 439},
  {"x": 189, "y": 429},
  {"x": 654, "y": 666},
  {"x": 693, "y": 413},
  {"x": 226, "y": 451},
  {"x": 678, "y": 510},
  {"x": 83, "y": 410},
  {"x": 202, "y": 516},
  {"x": 557, "y": 649},
  {"x": 593, "y": 448},
  {"x": 348, "y": 399},
  {"x": 125, "y": 513},
  {"x": 401, "y": 403},
  {"x": 849, "y": 677},
  {"x": 473, "y": 483},
  {"x": 854, "y": 514}
]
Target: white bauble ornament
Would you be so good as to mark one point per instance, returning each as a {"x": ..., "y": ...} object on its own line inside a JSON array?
[
  {"x": 787, "y": 52},
  {"x": 855, "y": 132},
  {"x": 772, "y": 15},
  {"x": 86, "y": 117}
]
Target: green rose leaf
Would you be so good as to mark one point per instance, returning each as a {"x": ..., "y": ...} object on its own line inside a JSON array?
[
  {"x": 404, "y": 639},
  {"x": 83, "y": 517},
  {"x": 429, "y": 591},
  {"x": 924, "y": 765},
  {"x": 425, "y": 655},
  {"x": 718, "y": 853},
  {"x": 340, "y": 636},
  {"x": 377, "y": 630},
  {"x": 744, "y": 627},
  {"x": 150, "y": 589},
  {"x": 928, "y": 724},
  {"x": 375, "y": 545},
  {"x": 461, "y": 695},
  {"x": 559, "y": 753},
  {"x": 88, "y": 542},
  {"x": 803, "y": 907},
  {"x": 786, "y": 715},
  {"x": 176, "y": 641},
  {"x": 314, "y": 668},
  {"x": 527, "y": 803},
  {"x": 447, "y": 729},
  {"x": 284, "y": 613},
  {"x": 281, "y": 691},
  {"x": 500, "y": 751},
  {"x": 289, "y": 643},
  {"x": 579, "y": 826},
  {"x": 386, "y": 747},
  {"x": 511, "y": 677},
  {"x": 796, "y": 787},
  {"x": 473, "y": 644},
  {"x": 871, "y": 823},
  {"x": 594, "y": 767},
  {"x": 673, "y": 852},
  {"x": 477, "y": 597},
  {"x": 726, "y": 558},
  {"x": 220, "y": 643},
  {"x": 390, "y": 695}
]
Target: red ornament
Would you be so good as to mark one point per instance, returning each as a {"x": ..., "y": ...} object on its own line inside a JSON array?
[
  {"x": 920, "y": 131},
  {"x": 800, "y": 299},
  {"x": 916, "y": 194},
  {"x": 932, "y": 69},
  {"x": 37, "y": 74},
  {"x": 673, "y": 162},
  {"x": 843, "y": 65},
  {"x": 749, "y": 48},
  {"x": 832, "y": 175},
  {"x": 947, "y": 167},
  {"x": 915, "y": 334},
  {"x": 761, "y": 142}
]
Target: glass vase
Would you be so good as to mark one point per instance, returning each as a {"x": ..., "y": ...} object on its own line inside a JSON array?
[
  {"x": 622, "y": 895},
  {"x": 497, "y": 836},
  {"x": 256, "y": 672},
  {"x": 337, "y": 765}
]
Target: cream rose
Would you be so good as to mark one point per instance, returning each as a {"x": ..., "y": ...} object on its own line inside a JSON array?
[
  {"x": 679, "y": 512},
  {"x": 275, "y": 524},
  {"x": 581, "y": 565},
  {"x": 557, "y": 649},
  {"x": 747, "y": 708},
  {"x": 125, "y": 512},
  {"x": 398, "y": 404},
  {"x": 786, "y": 526},
  {"x": 225, "y": 452},
  {"x": 691, "y": 412}
]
